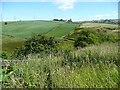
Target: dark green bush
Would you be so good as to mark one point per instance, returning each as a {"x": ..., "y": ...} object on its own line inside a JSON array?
[
  {"x": 6, "y": 23},
  {"x": 36, "y": 44},
  {"x": 85, "y": 38},
  {"x": 4, "y": 55}
]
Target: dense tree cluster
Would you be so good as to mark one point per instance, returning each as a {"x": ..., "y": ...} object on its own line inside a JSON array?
[{"x": 70, "y": 20}]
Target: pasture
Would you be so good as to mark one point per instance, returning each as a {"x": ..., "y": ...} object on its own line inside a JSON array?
[
  {"x": 25, "y": 29},
  {"x": 15, "y": 33}
]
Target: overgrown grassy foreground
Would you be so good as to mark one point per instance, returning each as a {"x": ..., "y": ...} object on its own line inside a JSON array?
[
  {"x": 89, "y": 67},
  {"x": 85, "y": 58}
]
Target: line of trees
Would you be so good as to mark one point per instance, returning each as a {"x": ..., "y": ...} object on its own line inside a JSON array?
[
  {"x": 70, "y": 20},
  {"x": 107, "y": 21}
]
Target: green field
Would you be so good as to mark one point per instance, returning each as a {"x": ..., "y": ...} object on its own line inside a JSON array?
[
  {"x": 15, "y": 33},
  {"x": 24, "y": 29},
  {"x": 69, "y": 67}
]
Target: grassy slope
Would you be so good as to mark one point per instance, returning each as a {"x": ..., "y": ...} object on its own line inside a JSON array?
[
  {"x": 10, "y": 43},
  {"x": 14, "y": 33},
  {"x": 25, "y": 29},
  {"x": 89, "y": 75},
  {"x": 35, "y": 74},
  {"x": 90, "y": 25},
  {"x": 95, "y": 27},
  {"x": 62, "y": 30}
]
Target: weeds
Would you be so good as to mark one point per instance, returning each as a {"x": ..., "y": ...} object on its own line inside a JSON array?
[{"x": 90, "y": 67}]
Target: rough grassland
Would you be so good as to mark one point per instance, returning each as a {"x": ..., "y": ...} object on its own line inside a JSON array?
[
  {"x": 90, "y": 25},
  {"x": 10, "y": 43},
  {"x": 49, "y": 72}
]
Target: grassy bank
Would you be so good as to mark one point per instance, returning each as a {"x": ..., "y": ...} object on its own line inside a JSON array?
[{"x": 90, "y": 67}]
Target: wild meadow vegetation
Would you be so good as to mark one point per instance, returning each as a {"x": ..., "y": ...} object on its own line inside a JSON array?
[
  {"x": 89, "y": 67},
  {"x": 84, "y": 57}
]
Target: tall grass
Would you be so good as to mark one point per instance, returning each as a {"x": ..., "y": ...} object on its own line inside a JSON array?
[
  {"x": 104, "y": 53},
  {"x": 90, "y": 67}
]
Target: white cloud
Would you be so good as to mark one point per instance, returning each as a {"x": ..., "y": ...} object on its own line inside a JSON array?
[
  {"x": 105, "y": 16},
  {"x": 65, "y": 4},
  {"x": 101, "y": 15}
]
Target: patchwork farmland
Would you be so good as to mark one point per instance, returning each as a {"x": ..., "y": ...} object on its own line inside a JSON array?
[{"x": 77, "y": 52}]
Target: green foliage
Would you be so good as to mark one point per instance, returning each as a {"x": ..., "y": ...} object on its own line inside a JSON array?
[
  {"x": 1, "y": 76},
  {"x": 17, "y": 32},
  {"x": 85, "y": 38},
  {"x": 103, "y": 53},
  {"x": 108, "y": 37},
  {"x": 4, "y": 55},
  {"x": 8, "y": 70},
  {"x": 5, "y": 23},
  {"x": 36, "y": 44},
  {"x": 77, "y": 72},
  {"x": 69, "y": 20},
  {"x": 69, "y": 67}
]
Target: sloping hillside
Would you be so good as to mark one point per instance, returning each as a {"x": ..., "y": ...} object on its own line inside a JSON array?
[
  {"x": 24, "y": 29},
  {"x": 14, "y": 33}
]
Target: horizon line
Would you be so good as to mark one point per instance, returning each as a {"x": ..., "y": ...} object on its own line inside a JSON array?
[{"x": 54, "y": 18}]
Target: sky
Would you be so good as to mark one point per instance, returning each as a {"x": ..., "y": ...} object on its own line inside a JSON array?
[{"x": 65, "y": 9}]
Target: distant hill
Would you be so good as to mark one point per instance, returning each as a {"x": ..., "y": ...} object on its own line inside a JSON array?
[
  {"x": 24, "y": 29},
  {"x": 15, "y": 33},
  {"x": 107, "y": 21}
]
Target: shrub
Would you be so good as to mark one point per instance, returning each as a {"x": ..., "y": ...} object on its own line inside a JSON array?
[
  {"x": 36, "y": 44},
  {"x": 5, "y": 23},
  {"x": 103, "y": 37},
  {"x": 85, "y": 38},
  {"x": 4, "y": 55}
]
